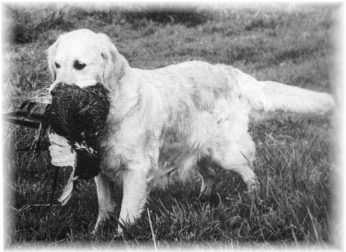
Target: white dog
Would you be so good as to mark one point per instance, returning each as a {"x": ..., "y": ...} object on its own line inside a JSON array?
[{"x": 201, "y": 109}]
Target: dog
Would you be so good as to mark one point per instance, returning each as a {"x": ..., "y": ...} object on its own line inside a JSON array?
[{"x": 202, "y": 109}]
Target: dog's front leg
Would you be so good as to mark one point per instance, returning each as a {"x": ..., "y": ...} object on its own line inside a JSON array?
[
  {"x": 134, "y": 196},
  {"x": 105, "y": 196}
]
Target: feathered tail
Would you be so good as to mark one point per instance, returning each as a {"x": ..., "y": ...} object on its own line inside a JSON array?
[{"x": 266, "y": 97}]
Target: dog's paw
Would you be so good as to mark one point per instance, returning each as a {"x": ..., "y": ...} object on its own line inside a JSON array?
[
  {"x": 253, "y": 187},
  {"x": 120, "y": 231},
  {"x": 206, "y": 192}
]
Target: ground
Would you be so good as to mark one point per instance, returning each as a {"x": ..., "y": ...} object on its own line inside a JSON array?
[{"x": 284, "y": 43}]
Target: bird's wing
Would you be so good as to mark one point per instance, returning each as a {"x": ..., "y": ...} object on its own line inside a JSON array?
[
  {"x": 62, "y": 155},
  {"x": 60, "y": 151}
]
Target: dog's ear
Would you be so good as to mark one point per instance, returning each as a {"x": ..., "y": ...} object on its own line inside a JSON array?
[
  {"x": 51, "y": 51},
  {"x": 114, "y": 63}
]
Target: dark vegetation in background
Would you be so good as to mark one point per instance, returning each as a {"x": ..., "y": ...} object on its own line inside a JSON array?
[
  {"x": 27, "y": 27},
  {"x": 187, "y": 18}
]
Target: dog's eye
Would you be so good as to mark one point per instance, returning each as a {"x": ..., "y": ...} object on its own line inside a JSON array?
[
  {"x": 57, "y": 65},
  {"x": 79, "y": 66}
]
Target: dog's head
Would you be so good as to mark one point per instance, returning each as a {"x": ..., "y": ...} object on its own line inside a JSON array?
[{"x": 85, "y": 58}]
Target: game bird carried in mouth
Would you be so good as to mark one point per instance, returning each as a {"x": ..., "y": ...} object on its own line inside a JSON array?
[{"x": 77, "y": 114}]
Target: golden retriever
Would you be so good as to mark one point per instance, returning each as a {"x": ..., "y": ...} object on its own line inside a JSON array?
[{"x": 202, "y": 109}]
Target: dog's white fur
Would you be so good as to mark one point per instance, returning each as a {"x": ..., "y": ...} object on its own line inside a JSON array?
[{"x": 202, "y": 110}]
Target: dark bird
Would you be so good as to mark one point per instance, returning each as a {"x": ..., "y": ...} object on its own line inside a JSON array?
[
  {"x": 79, "y": 115},
  {"x": 76, "y": 114}
]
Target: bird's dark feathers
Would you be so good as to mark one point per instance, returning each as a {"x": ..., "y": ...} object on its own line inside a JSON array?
[{"x": 79, "y": 115}]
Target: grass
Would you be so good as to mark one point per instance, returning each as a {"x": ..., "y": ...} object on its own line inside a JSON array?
[{"x": 294, "y": 153}]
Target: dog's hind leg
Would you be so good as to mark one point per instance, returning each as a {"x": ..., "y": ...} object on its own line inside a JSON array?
[
  {"x": 208, "y": 177},
  {"x": 237, "y": 156}
]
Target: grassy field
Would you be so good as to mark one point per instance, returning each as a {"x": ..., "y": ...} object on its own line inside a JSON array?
[{"x": 294, "y": 153}]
